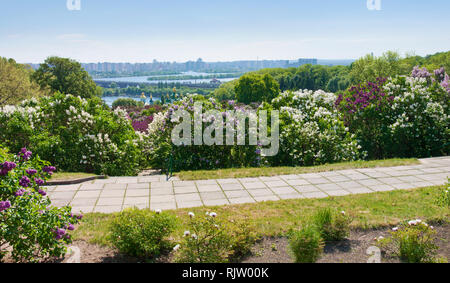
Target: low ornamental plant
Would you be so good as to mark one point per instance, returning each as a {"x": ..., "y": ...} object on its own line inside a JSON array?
[
  {"x": 31, "y": 230},
  {"x": 444, "y": 196},
  {"x": 413, "y": 242},
  {"x": 306, "y": 245},
  {"x": 142, "y": 233},
  {"x": 211, "y": 240},
  {"x": 332, "y": 226}
]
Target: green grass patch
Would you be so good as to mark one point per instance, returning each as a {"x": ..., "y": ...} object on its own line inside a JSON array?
[
  {"x": 276, "y": 171},
  {"x": 275, "y": 218},
  {"x": 66, "y": 176}
]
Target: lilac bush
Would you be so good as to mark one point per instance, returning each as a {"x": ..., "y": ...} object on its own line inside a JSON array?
[
  {"x": 400, "y": 116},
  {"x": 311, "y": 130},
  {"x": 75, "y": 134},
  {"x": 158, "y": 144},
  {"x": 30, "y": 228}
]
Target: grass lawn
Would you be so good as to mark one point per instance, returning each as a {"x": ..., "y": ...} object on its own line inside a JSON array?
[
  {"x": 276, "y": 218},
  {"x": 65, "y": 176},
  {"x": 275, "y": 171}
]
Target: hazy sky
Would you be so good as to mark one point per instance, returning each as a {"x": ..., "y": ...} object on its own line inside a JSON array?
[{"x": 219, "y": 30}]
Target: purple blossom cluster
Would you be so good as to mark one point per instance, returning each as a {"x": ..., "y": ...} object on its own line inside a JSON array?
[
  {"x": 20, "y": 192},
  {"x": 4, "y": 205},
  {"x": 59, "y": 233},
  {"x": 142, "y": 125},
  {"x": 31, "y": 171},
  {"x": 420, "y": 73},
  {"x": 440, "y": 74},
  {"x": 25, "y": 182},
  {"x": 363, "y": 95},
  {"x": 49, "y": 169},
  {"x": 24, "y": 154},
  {"x": 6, "y": 167},
  {"x": 446, "y": 83},
  {"x": 39, "y": 181}
]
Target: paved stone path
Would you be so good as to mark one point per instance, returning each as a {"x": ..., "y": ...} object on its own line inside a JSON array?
[{"x": 154, "y": 192}]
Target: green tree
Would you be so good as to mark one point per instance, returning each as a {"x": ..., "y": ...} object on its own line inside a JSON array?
[
  {"x": 127, "y": 102},
  {"x": 66, "y": 76},
  {"x": 369, "y": 68},
  {"x": 15, "y": 82},
  {"x": 225, "y": 91},
  {"x": 256, "y": 88}
]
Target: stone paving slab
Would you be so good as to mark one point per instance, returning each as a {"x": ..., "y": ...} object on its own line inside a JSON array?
[{"x": 155, "y": 192}]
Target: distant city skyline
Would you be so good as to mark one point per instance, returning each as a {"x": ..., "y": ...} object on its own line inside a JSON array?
[{"x": 219, "y": 31}]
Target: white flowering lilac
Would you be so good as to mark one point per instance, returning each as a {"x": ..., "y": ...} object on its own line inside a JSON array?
[{"x": 311, "y": 131}]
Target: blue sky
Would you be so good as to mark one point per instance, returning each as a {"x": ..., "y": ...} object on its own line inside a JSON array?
[{"x": 219, "y": 30}]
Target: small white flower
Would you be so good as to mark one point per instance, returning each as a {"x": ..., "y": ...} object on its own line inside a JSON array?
[
  {"x": 177, "y": 247},
  {"x": 191, "y": 214},
  {"x": 186, "y": 233},
  {"x": 194, "y": 236},
  {"x": 158, "y": 211},
  {"x": 343, "y": 212},
  {"x": 213, "y": 214},
  {"x": 395, "y": 229}
]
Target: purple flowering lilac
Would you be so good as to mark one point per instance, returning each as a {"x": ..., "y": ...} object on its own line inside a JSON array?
[
  {"x": 80, "y": 216},
  {"x": 49, "y": 169},
  {"x": 70, "y": 227},
  {"x": 6, "y": 167},
  {"x": 24, "y": 182},
  {"x": 20, "y": 192},
  {"x": 24, "y": 154},
  {"x": 440, "y": 74},
  {"x": 42, "y": 192},
  {"x": 363, "y": 95},
  {"x": 31, "y": 171},
  {"x": 59, "y": 233},
  {"x": 4, "y": 205},
  {"x": 420, "y": 73},
  {"x": 39, "y": 182},
  {"x": 446, "y": 83}
]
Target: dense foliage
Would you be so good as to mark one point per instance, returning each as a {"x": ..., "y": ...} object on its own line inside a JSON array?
[
  {"x": 339, "y": 78},
  {"x": 66, "y": 76},
  {"x": 16, "y": 84},
  {"x": 256, "y": 88},
  {"x": 75, "y": 134},
  {"x": 30, "y": 229},
  {"x": 127, "y": 102}
]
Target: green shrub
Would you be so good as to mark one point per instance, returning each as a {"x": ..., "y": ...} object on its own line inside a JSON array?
[
  {"x": 242, "y": 238},
  {"x": 127, "y": 102},
  {"x": 209, "y": 240},
  {"x": 306, "y": 245},
  {"x": 142, "y": 233},
  {"x": 331, "y": 225},
  {"x": 413, "y": 243}
]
